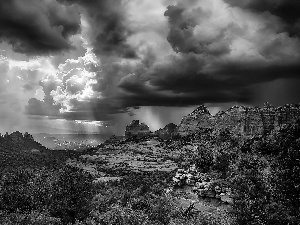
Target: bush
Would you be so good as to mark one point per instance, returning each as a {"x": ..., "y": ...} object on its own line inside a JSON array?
[
  {"x": 203, "y": 159},
  {"x": 251, "y": 191},
  {"x": 24, "y": 190},
  {"x": 32, "y": 218},
  {"x": 119, "y": 215},
  {"x": 222, "y": 163},
  {"x": 71, "y": 195}
]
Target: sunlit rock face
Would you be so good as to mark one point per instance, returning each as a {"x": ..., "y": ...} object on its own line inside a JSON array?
[
  {"x": 137, "y": 130},
  {"x": 241, "y": 120},
  {"x": 166, "y": 132}
]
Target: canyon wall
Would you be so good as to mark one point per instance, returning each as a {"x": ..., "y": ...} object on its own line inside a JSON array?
[{"x": 241, "y": 120}]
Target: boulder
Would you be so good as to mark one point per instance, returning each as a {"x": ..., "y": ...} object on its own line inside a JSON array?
[
  {"x": 218, "y": 189},
  {"x": 35, "y": 151},
  {"x": 226, "y": 198}
]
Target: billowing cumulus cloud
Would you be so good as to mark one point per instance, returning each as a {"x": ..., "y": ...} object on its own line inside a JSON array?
[
  {"x": 37, "y": 27},
  {"x": 18, "y": 83}
]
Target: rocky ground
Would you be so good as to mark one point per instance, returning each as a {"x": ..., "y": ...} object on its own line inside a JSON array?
[{"x": 196, "y": 192}]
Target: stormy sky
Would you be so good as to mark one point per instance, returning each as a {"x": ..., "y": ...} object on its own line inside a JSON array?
[{"x": 95, "y": 65}]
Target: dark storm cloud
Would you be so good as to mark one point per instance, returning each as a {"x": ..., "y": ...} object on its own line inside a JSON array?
[
  {"x": 99, "y": 110},
  {"x": 209, "y": 53},
  {"x": 37, "y": 27},
  {"x": 215, "y": 60},
  {"x": 182, "y": 37},
  {"x": 181, "y": 83},
  {"x": 95, "y": 109},
  {"x": 287, "y": 10},
  {"x": 109, "y": 29}
]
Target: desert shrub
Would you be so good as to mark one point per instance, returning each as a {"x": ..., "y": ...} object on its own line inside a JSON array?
[
  {"x": 30, "y": 218},
  {"x": 23, "y": 190},
  {"x": 286, "y": 170},
  {"x": 71, "y": 194},
  {"x": 146, "y": 182},
  {"x": 266, "y": 192},
  {"x": 251, "y": 192},
  {"x": 221, "y": 163},
  {"x": 203, "y": 159},
  {"x": 159, "y": 210},
  {"x": 110, "y": 196},
  {"x": 118, "y": 215}
]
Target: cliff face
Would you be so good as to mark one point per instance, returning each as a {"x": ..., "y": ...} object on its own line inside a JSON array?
[
  {"x": 199, "y": 118},
  {"x": 240, "y": 120},
  {"x": 137, "y": 129},
  {"x": 166, "y": 132}
]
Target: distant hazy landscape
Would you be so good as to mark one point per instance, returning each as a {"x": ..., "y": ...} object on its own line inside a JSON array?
[{"x": 74, "y": 141}]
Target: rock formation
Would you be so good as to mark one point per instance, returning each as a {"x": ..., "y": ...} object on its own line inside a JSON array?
[
  {"x": 203, "y": 185},
  {"x": 137, "y": 130},
  {"x": 241, "y": 120},
  {"x": 166, "y": 132},
  {"x": 199, "y": 118}
]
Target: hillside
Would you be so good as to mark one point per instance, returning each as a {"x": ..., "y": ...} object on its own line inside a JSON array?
[
  {"x": 240, "y": 166},
  {"x": 21, "y": 150}
]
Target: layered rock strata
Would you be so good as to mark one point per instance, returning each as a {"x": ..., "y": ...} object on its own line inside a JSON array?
[{"x": 241, "y": 120}]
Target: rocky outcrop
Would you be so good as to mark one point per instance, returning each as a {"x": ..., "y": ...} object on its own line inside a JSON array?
[
  {"x": 137, "y": 130},
  {"x": 166, "y": 132},
  {"x": 203, "y": 184},
  {"x": 199, "y": 118},
  {"x": 241, "y": 120}
]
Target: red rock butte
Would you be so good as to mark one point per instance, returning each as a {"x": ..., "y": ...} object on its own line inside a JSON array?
[{"x": 241, "y": 120}]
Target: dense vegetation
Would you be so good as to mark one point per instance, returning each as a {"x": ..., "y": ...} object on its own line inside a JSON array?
[
  {"x": 68, "y": 196},
  {"x": 268, "y": 179},
  {"x": 263, "y": 172}
]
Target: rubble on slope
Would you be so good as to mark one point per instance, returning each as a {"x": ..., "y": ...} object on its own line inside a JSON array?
[{"x": 202, "y": 184}]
